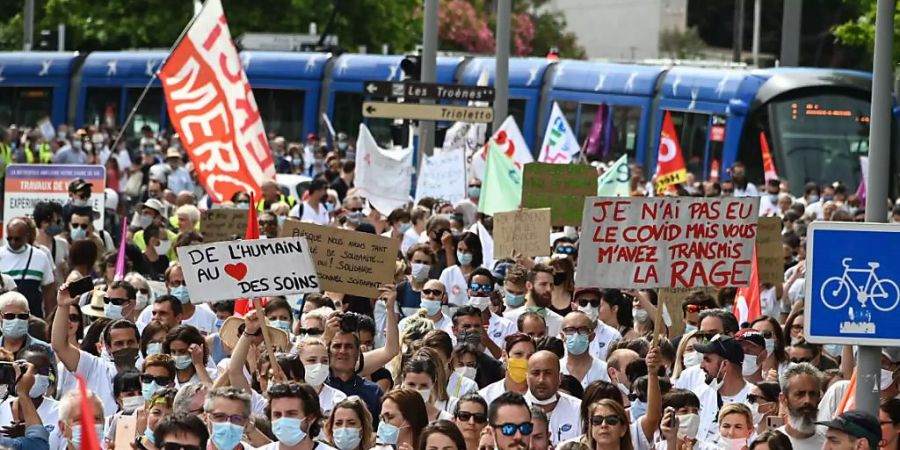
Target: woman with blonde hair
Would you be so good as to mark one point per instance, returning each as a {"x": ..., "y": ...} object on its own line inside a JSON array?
[
  {"x": 314, "y": 357},
  {"x": 735, "y": 426},
  {"x": 349, "y": 427},
  {"x": 686, "y": 357},
  {"x": 425, "y": 373}
]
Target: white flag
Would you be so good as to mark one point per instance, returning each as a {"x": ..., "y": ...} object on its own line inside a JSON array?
[
  {"x": 616, "y": 181},
  {"x": 443, "y": 176},
  {"x": 509, "y": 138},
  {"x": 560, "y": 145},
  {"x": 384, "y": 177}
]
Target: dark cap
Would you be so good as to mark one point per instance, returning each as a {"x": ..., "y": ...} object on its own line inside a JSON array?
[
  {"x": 723, "y": 346},
  {"x": 858, "y": 424},
  {"x": 79, "y": 184},
  {"x": 752, "y": 336},
  {"x": 588, "y": 290}
]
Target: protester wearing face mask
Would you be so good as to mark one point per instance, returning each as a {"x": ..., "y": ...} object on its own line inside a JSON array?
[
  {"x": 199, "y": 316},
  {"x": 153, "y": 211},
  {"x": 543, "y": 392},
  {"x": 773, "y": 335},
  {"x": 801, "y": 388},
  {"x": 49, "y": 225},
  {"x": 695, "y": 303},
  {"x": 279, "y": 314},
  {"x": 722, "y": 362},
  {"x": 763, "y": 402},
  {"x": 590, "y": 301},
  {"x": 14, "y": 313},
  {"x": 295, "y": 416},
  {"x": 467, "y": 258},
  {"x": 681, "y": 421},
  {"x": 616, "y": 363},
  {"x": 314, "y": 356},
  {"x": 540, "y": 290},
  {"x": 735, "y": 427},
  {"x": 39, "y": 393},
  {"x": 577, "y": 333},
  {"x": 470, "y": 416},
  {"x": 227, "y": 412},
  {"x": 154, "y": 257},
  {"x": 189, "y": 352},
  {"x": 433, "y": 299},
  {"x": 643, "y": 311},
  {"x": 563, "y": 285},
  {"x": 158, "y": 373},
  {"x": 159, "y": 406},
  {"x": 349, "y": 427},
  {"x": 403, "y": 416},
  {"x": 686, "y": 356},
  {"x": 18, "y": 257},
  {"x": 315, "y": 208},
  {"x": 481, "y": 290},
  {"x": 71, "y": 422},
  {"x": 754, "y": 347},
  {"x": 127, "y": 391},
  {"x": 514, "y": 287},
  {"x": 421, "y": 259},
  {"x": 519, "y": 348},
  {"x": 768, "y": 203},
  {"x": 426, "y": 377},
  {"x": 469, "y": 331},
  {"x": 79, "y": 195},
  {"x": 615, "y": 311}
]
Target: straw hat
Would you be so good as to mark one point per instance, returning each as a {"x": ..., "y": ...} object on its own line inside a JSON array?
[
  {"x": 233, "y": 327},
  {"x": 95, "y": 307}
]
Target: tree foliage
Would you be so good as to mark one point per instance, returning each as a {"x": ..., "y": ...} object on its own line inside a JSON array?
[
  {"x": 685, "y": 44},
  {"x": 860, "y": 31}
]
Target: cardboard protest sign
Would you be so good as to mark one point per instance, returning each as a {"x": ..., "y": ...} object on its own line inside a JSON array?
[
  {"x": 223, "y": 224},
  {"x": 769, "y": 251},
  {"x": 28, "y": 184},
  {"x": 443, "y": 176},
  {"x": 666, "y": 242},
  {"x": 347, "y": 261},
  {"x": 249, "y": 268},
  {"x": 560, "y": 187},
  {"x": 674, "y": 298},
  {"x": 527, "y": 231}
]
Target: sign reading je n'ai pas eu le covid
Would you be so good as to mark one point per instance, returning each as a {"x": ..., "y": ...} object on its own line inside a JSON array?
[{"x": 245, "y": 269}]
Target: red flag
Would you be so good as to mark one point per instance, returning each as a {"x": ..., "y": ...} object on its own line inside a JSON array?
[
  {"x": 242, "y": 305},
  {"x": 714, "y": 170},
  {"x": 670, "y": 168},
  {"x": 768, "y": 163},
  {"x": 213, "y": 109},
  {"x": 89, "y": 439},
  {"x": 848, "y": 402},
  {"x": 746, "y": 303}
]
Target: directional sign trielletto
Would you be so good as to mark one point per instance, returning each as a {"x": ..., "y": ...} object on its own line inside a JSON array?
[
  {"x": 429, "y": 91},
  {"x": 419, "y": 111}
]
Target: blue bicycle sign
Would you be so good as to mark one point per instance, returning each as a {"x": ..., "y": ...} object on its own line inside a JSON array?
[{"x": 883, "y": 293}]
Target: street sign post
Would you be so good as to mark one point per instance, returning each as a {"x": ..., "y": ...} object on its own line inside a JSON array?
[
  {"x": 428, "y": 91},
  {"x": 418, "y": 111},
  {"x": 852, "y": 275}
]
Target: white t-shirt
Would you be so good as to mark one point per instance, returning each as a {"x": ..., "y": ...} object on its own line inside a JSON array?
[
  {"x": 596, "y": 372},
  {"x": 456, "y": 286},
  {"x": 740, "y": 397},
  {"x": 204, "y": 319},
  {"x": 493, "y": 390},
  {"x": 319, "y": 216},
  {"x": 39, "y": 269},
  {"x": 604, "y": 336},
  {"x": 410, "y": 238},
  {"x": 98, "y": 373},
  {"x": 813, "y": 442},
  {"x": 274, "y": 446},
  {"x": 458, "y": 385},
  {"x": 691, "y": 378},
  {"x": 565, "y": 419},
  {"x": 48, "y": 412},
  {"x": 499, "y": 328}
]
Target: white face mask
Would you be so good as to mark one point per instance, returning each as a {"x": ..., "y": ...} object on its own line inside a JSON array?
[
  {"x": 163, "y": 247},
  {"x": 757, "y": 416},
  {"x": 688, "y": 425},
  {"x": 142, "y": 301},
  {"x": 129, "y": 404},
  {"x": 482, "y": 303},
  {"x": 590, "y": 311},
  {"x": 425, "y": 393},
  {"x": 770, "y": 346},
  {"x": 731, "y": 444},
  {"x": 640, "y": 315},
  {"x": 750, "y": 365},
  {"x": 466, "y": 371},
  {"x": 315, "y": 374},
  {"x": 692, "y": 358},
  {"x": 887, "y": 378},
  {"x": 41, "y": 384}
]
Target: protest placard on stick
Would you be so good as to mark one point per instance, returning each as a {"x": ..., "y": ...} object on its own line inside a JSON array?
[
  {"x": 223, "y": 224},
  {"x": 525, "y": 231},
  {"x": 769, "y": 251},
  {"x": 560, "y": 187}
]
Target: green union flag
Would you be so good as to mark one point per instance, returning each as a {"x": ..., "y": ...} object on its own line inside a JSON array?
[{"x": 501, "y": 188}]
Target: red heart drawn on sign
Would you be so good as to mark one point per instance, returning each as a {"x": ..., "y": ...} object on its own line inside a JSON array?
[{"x": 237, "y": 271}]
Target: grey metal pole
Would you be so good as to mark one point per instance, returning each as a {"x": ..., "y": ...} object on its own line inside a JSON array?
[
  {"x": 501, "y": 74},
  {"x": 757, "y": 15},
  {"x": 738, "y": 31},
  {"x": 790, "y": 32},
  {"x": 429, "y": 71},
  {"x": 869, "y": 360},
  {"x": 28, "y": 28},
  {"x": 61, "y": 37}
]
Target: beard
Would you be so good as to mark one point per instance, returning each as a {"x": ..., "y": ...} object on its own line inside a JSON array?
[
  {"x": 803, "y": 419},
  {"x": 541, "y": 300}
]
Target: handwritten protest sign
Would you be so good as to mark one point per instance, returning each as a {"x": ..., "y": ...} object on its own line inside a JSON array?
[
  {"x": 666, "y": 242},
  {"x": 223, "y": 224},
  {"x": 347, "y": 261},
  {"x": 443, "y": 176},
  {"x": 674, "y": 298},
  {"x": 560, "y": 187},
  {"x": 251, "y": 268},
  {"x": 527, "y": 231},
  {"x": 769, "y": 251}
]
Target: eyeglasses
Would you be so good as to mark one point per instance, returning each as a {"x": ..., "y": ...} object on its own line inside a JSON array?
[
  {"x": 310, "y": 331},
  {"x": 509, "y": 429},
  {"x": 481, "y": 288},
  {"x": 594, "y": 302},
  {"x": 800, "y": 360},
  {"x": 766, "y": 334},
  {"x": 74, "y": 318},
  {"x": 174, "y": 446},
  {"x": 115, "y": 301},
  {"x": 694, "y": 308},
  {"x": 433, "y": 292},
  {"x": 611, "y": 420},
  {"x": 565, "y": 250},
  {"x": 11, "y": 316},
  {"x": 571, "y": 331},
  {"x": 83, "y": 226},
  {"x": 161, "y": 381},
  {"x": 222, "y": 417},
  {"x": 465, "y": 416},
  {"x": 797, "y": 327},
  {"x": 264, "y": 223}
]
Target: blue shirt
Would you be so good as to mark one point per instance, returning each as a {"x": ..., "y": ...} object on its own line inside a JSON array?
[
  {"x": 368, "y": 391},
  {"x": 36, "y": 438},
  {"x": 29, "y": 340}
]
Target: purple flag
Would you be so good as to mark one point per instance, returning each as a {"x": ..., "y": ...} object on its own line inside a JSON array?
[
  {"x": 120, "y": 258},
  {"x": 596, "y": 146}
]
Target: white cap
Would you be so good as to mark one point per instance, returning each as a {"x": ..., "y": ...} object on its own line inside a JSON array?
[{"x": 112, "y": 199}]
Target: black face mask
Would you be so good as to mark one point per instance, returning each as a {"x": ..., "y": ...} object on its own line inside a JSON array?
[
  {"x": 125, "y": 358},
  {"x": 559, "y": 278}
]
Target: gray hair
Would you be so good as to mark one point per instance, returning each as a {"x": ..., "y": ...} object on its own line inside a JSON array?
[
  {"x": 797, "y": 369},
  {"x": 228, "y": 393},
  {"x": 131, "y": 277},
  {"x": 72, "y": 400},
  {"x": 186, "y": 395},
  {"x": 537, "y": 413},
  {"x": 13, "y": 298}
]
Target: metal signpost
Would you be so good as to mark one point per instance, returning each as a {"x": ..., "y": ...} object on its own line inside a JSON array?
[{"x": 420, "y": 111}]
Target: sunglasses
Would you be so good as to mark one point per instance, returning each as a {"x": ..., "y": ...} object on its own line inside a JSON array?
[
  {"x": 115, "y": 301},
  {"x": 433, "y": 292},
  {"x": 753, "y": 398},
  {"x": 611, "y": 420},
  {"x": 694, "y": 308},
  {"x": 594, "y": 302},
  {"x": 509, "y": 429},
  {"x": 161, "y": 381},
  {"x": 310, "y": 331},
  {"x": 465, "y": 416},
  {"x": 481, "y": 288},
  {"x": 567, "y": 250},
  {"x": 173, "y": 446},
  {"x": 11, "y": 316},
  {"x": 800, "y": 360},
  {"x": 83, "y": 226}
]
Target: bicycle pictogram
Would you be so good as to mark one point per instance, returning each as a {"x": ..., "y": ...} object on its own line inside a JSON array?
[{"x": 883, "y": 293}]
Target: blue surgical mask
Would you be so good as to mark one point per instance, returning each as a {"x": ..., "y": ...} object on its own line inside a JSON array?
[
  {"x": 149, "y": 436},
  {"x": 226, "y": 435},
  {"x": 289, "y": 430},
  {"x": 387, "y": 433},
  {"x": 577, "y": 344},
  {"x": 346, "y": 438},
  {"x": 148, "y": 389},
  {"x": 515, "y": 301},
  {"x": 329, "y": 206},
  {"x": 154, "y": 348},
  {"x": 112, "y": 312},
  {"x": 464, "y": 258},
  {"x": 638, "y": 409},
  {"x": 281, "y": 325},
  {"x": 342, "y": 145},
  {"x": 404, "y": 227},
  {"x": 688, "y": 328},
  {"x": 54, "y": 230},
  {"x": 181, "y": 293},
  {"x": 219, "y": 323},
  {"x": 15, "y": 328},
  {"x": 474, "y": 191},
  {"x": 76, "y": 434},
  {"x": 182, "y": 361},
  {"x": 77, "y": 233},
  {"x": 432, "y": 307}
]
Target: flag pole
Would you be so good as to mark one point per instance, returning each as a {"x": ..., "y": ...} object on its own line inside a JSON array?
[{"x": 153, "y": 78}]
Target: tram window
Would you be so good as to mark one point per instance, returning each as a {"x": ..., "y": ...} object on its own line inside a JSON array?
[
  {"x": 621, "y": 137},
  {"x": 347, "y": 112},
  {"x": 102, "y": 106},
  {"x": 149, "y": 112},
  {"x": 516, "y": 109},
  {"x": 281, "y": 111},
  {"x": 692, "y": 130},
  {"x": 24, "y": 106}
]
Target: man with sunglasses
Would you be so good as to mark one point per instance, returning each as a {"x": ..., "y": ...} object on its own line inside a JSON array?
[
  {"x": 14, "y": 325},
  {"x": 588, "y": 301},
  {"x": 481, "y": 291},
  {"x": 510, "y": 421},
  {"x": 578, "y": 333},
  {"x": 181, "y": 432}
]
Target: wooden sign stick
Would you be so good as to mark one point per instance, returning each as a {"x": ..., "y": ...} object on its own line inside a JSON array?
[{"x": 270, "y": 349}]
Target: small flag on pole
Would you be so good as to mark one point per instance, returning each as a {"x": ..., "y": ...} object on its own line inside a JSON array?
[
  {"x": 747, "y": 302},
  {"x": 89, "y": 438},
  {"x": 670, "y": 168},
  {"x": 120, "y": 258},
  {"x": 768, "y": 163},
  {"x": 242, "y": 305}
]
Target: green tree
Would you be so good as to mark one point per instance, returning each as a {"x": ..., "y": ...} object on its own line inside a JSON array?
[
  {"x": 685, "y": 44},
  {"x": 860, "y": 31}
]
